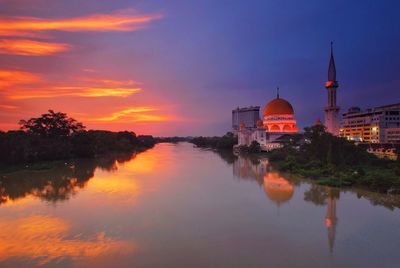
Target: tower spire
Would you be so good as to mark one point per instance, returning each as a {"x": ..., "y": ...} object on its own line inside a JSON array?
[
  {"x": 332, "y": 68},
  {"x": 277, "y": 92}
]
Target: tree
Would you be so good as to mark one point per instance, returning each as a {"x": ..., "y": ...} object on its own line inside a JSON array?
[
  {"x": 254, "y": 147},
  {"x": 52, "y": 124}
]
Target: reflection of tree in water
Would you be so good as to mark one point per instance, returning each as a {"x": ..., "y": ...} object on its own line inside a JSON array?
[
  {"x": 318, "y": 194},
  {"x": 58, "y": 183},
  {"x": 389, "y": 201},
  {"x": 227, "y": 155}
]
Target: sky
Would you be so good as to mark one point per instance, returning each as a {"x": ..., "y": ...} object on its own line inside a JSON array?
[{"x": 179, "y": 67}]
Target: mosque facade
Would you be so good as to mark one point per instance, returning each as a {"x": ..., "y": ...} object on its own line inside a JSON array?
[{"x": 278, "y": 120}]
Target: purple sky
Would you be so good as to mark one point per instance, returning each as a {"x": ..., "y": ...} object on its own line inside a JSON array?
[{"x": 193, "y": 61}]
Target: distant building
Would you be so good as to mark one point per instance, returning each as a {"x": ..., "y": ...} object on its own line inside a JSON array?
[
  {"x": 246, "y": 136},
  {"x": 331, "y": 109},
  {"x": 376, "y": 125},
  {"x": 247, "y": 115}
]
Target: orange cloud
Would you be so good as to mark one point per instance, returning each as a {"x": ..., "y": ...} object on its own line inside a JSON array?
[
  {"x": 109, "y": 82},
  {"x": 71, "y": 91},
  {"x": 7, "y": 107},
  {"x": 132, "y": 115},
  {"x": 120, "y": 21},
  {"x": 12, "y": 77},
  {"x": 129, "y": 112},
  {"x": 30, "y": 48}
]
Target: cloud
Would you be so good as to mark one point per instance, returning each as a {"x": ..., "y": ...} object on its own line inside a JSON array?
[
  {"x": 73, "y": 91},
  {"x": 133, "y": 114},
  {"x": 7, "y": 107},
  {"x": 33, "y": 27},
  {"x": 126, "y": 20},
  {"x": 21, "y": 85},
  {"x": 109, "y": 82},
  {"x": 31, "y": 48},
  {"x": 13, "y": 77}
]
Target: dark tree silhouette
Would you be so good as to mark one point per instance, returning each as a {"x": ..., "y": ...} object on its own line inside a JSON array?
[{"x": 52, "y": 124}]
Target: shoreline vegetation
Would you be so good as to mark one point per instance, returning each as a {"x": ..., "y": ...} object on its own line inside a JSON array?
[
  {"x": 323, "y": 158},
  {"x": 54, "y": 137}
]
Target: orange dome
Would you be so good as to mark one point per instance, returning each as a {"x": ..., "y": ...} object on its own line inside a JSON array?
[
  {"x": 242, "y": 125},
  {"x": 260, "y": 123},
  {"x": 278, "y": 106}
]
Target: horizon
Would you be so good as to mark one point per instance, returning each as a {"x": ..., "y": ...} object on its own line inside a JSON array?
[{"x": 179, "y": 69}]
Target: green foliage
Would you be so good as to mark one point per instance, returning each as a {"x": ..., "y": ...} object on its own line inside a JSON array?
[
  {"x": 51, "y": 124},
  {"x": 54, "y": 136},
  {"x": 337, "y": 162},
  {"x": 225, "y": 142}
]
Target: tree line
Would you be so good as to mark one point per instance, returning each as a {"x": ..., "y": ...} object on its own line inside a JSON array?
[{"x": 56, "y": 136}]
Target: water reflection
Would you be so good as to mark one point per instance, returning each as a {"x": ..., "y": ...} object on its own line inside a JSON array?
[
  {"x": 277, "y": 188},
  {"x": 178, "y": 206},
  {"x": 280, "y": 190},
  {"x": 44, "y": 239},
  {"x": 58, "y": 183}
]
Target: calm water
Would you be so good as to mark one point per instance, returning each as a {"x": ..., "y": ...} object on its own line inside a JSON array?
[{"x": 179, "y": 206}]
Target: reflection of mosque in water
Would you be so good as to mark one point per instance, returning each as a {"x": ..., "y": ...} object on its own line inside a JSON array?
[
  {"x": 280, "y": 190},
  {"x": 276, "y": 188}
]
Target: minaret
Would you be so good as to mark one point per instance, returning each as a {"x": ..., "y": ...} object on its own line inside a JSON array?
[{"x": 331, "y": 109}]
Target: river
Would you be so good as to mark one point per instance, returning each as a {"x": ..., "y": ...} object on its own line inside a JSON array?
[{"x": 179, "y": 206}]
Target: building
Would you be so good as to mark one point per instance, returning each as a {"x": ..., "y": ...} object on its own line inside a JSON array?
[
  {"x": 278, "y": 122},
  {"x": 246, "y": 136},
  {"x": 247, "y": 115},
  {"x": 331, "y": 109},
  {"x": 376, "y": 125},
  {"x": 279, "y": 117}
]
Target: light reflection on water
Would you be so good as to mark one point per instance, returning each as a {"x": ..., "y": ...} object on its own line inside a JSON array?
[{"x": 179, "y": 206}]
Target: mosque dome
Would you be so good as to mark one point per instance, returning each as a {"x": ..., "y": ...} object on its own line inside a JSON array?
[
  {"x": 278, "y": 106},
  {"x": 277, "y": 188}
]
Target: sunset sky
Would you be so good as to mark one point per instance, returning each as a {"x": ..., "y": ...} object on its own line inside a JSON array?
[{"x": 180, "y": 67}]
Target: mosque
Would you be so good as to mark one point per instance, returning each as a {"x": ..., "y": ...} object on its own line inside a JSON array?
[{"x": 278, "y": 122}]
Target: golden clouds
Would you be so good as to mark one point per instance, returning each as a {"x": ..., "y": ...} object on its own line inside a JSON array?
[
  {"x": 71, "y": 91},
  {"x": 44, "y": 239},
  {"x": 19, "y": 85},
  {"x": 31, "y": 48},
  {"x": 13, "y": 77},
  {"x": 33, "y": 27},
  {"x": 120, "y": 21},
  {"x": 134, "y": 114}
]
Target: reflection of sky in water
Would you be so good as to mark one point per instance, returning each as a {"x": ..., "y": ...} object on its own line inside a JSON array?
[{"x": 178, "y": 206}]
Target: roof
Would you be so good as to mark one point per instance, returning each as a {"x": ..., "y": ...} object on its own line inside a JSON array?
[
  {"x": 278, "y": 106},
  {"x": 332, "y": 67}
]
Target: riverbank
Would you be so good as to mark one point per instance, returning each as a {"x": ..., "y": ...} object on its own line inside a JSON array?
[
  {"x": 326, "y": 159},
  {"x": 337, "y": 162}
]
